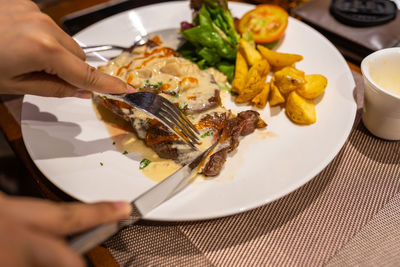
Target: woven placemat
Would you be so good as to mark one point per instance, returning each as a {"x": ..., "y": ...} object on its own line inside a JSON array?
[{"x": 348, "y": 215}]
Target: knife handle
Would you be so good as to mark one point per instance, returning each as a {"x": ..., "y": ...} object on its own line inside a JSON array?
[{"x": 84, "y": 242}]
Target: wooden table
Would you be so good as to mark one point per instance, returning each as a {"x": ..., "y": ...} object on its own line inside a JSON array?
[{"x": 10, "y": 108}]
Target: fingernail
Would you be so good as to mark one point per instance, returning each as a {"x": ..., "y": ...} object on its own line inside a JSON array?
[
  {"x": 83, "y": 94},
  {"x": 123, "y": 208},
  {"x": 130, "y": 89}
]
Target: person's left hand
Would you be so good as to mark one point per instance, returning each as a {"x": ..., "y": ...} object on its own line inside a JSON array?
[{"x": 32, "y": 231}]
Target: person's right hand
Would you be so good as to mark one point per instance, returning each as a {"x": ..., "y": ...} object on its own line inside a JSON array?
[
  {"x": 32, "y": 230},
  {"x": 37, "y": 57}
]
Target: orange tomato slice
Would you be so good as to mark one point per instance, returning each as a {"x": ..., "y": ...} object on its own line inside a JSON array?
[{"x": 266, "y": 22}]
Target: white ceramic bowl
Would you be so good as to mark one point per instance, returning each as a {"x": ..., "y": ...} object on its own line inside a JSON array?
[{"x": 381, "y": 113}]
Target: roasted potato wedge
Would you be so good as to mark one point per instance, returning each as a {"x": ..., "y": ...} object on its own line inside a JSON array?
[
  {"x": 254, "y": 82},
  {"x": 278, "y": 60},
  {"x": 300, "y": 110},
  {"x": 289, "y": 79},
  {"x": 241, "y": 70},
  {"x": 260, "y": 100},
  {"x": 249, "y": 52},
  {"x": 315, "y": 85},
  {"x": 275, "y": 96}
]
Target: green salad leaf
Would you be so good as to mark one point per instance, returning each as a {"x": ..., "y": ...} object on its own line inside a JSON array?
[{"x": 213, "y": 40}]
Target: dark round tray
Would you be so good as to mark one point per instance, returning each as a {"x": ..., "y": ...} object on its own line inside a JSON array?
[{"x": 363, "y": 13}]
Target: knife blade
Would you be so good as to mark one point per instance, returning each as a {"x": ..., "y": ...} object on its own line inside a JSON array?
[{"x": 142, "y": 205}]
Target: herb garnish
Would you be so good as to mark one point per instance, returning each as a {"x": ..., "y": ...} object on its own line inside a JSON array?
[
  {"x": 125, "y": 152},
  {"x": 114, "y": 143},
  {"x": 144, "y": 163},
  {"x": 207, "y": 134},
  {"x": 101, "y": 164},
  {"x": 152, "y": 86},
  {"x": 183, "y": 107}
]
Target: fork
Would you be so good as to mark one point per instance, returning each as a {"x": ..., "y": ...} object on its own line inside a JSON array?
[
  {"x": 99, "y": 48},
  {"x": 163, "y": 110},
  {"x": 140, "y": 40},
  {"x": 164, "y": 34}
]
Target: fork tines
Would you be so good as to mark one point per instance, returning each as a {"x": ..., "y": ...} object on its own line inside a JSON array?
[
  {"x": 181, "y": 125},
  {"x": 163, "y": 110}
]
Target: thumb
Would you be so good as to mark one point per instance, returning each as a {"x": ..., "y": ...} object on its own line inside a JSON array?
[
  {"x": 101, "y": 82},
  {"x": 62, "y": 218},
  {"x": 43, "y": 84}
]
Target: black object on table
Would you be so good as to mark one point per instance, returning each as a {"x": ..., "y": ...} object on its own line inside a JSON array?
[{"x": 363, "y": 13}]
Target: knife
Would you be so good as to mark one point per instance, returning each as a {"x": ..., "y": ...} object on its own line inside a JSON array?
[{"x": 142, "y": 205}]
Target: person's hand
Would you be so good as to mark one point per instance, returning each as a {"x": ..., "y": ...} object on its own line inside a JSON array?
[
  {"x": 32, "y": 230},
  {"x": 37, "y": 57}
]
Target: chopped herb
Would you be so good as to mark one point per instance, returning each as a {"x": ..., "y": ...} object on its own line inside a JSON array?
[
  {"x": 120, "y": 111},
  {"x": 144, "y": 163},
  {"x": 125, "y": 152},
  {"x": 207, "y": 134},
  {"x": 155, "y": 86},
  {"x": 101, "y": 164},
  {"x": 103, "y": 96},
  {"x": 170, "y": 80},
  {"x": 183, "y": 106},
  {"x": 114, "y": 143}
]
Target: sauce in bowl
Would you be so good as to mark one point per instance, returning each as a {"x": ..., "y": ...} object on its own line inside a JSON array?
[
  {"x": 385, "y": 72},
  {"x": 388, "y": 78}
]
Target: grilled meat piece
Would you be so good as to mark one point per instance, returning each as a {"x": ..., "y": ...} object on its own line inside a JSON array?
[
  {"x": 195, "y": 92},
  {"x": 215, "y": 163},
  {"x": 248, "y": 119},
  {"x": 211, "y": 103},
  {"x": 245, "y": 123}
]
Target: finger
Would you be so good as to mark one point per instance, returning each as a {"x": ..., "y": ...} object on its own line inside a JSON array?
[
  {"x": 76, "y": 72},
  {"x": 43, "y": 84},
  {"x": 18, "y": 6},
  {"x": 84, "y": 94},
  {"x": 22, "y": 246},
  {"x": 62, "y": 219},
  {"x": 69, "y": 43},
  {"x": 29, "y": 5},
  {"x": 63, "y": 38},
  {"x": 47, "y": 251}
]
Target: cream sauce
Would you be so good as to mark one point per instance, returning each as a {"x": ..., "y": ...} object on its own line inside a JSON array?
[
  {"x": 159, "y": 67},
  {"x": 176, "y": 79},
  {"x": 387, "y": 78},
  {"x": 125, "y": 140}
]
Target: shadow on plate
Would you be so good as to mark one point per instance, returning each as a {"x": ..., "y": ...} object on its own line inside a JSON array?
[{"x": 57, "y": 139}]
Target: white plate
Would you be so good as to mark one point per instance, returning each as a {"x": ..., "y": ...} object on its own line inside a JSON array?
[{"x": 67, "y": 142}]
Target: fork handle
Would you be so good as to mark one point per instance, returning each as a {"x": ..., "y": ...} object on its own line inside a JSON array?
[{"x": 99, "y": 48}]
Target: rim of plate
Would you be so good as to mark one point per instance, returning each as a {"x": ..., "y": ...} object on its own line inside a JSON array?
[{"x": 289, "y": 189}]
